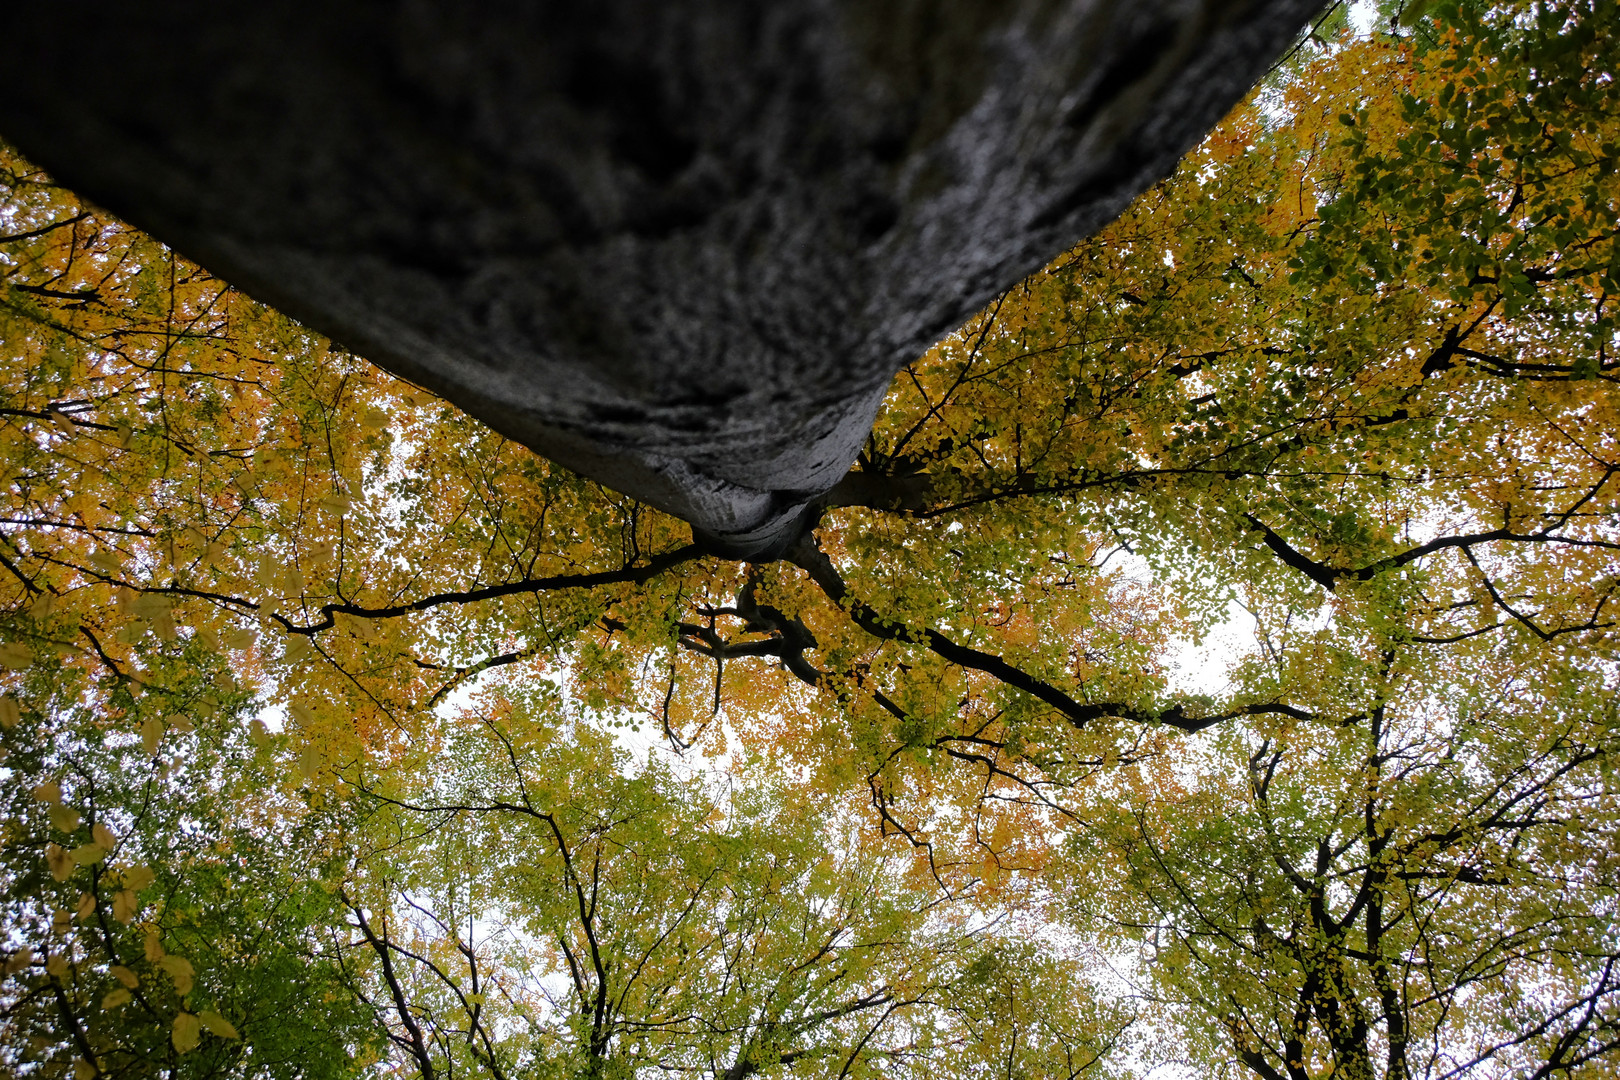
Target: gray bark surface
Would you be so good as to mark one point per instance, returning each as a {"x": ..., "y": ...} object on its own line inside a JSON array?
[{"x": 680, "y": 246}]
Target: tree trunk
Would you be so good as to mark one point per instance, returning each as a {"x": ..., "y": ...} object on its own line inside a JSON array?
[{"x": 680, "y": 246}]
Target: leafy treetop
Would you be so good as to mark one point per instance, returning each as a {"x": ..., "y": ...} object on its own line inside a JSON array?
[{"x": 345, "y": 681}]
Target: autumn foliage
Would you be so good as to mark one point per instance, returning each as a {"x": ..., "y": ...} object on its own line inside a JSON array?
[{"x": 343, "y": 737}]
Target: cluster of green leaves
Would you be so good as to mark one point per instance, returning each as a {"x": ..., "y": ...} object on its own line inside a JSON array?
[
  {"x": 165, "y": 912},
  {"x": 551, "y": 906},
  {"x": 1429, "y": 891}
]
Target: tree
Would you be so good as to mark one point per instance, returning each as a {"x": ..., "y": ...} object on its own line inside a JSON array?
[
  {"x": 1429, "y": 891},
  {"x": 164, "y": 908},
  {"x": 1349, "y": 369},
  {"x": 542, "y": 905},
  {"x": 680, "y": 248}
]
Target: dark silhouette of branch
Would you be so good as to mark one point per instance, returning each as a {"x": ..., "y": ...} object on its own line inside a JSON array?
[
  {"x": 808, "y": 556},
  {"x": 416, "y": 1044},
  {"x": 43, "y": 229}
]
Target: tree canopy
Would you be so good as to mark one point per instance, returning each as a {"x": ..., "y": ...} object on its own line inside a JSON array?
[{"x": 345, "y": 738}]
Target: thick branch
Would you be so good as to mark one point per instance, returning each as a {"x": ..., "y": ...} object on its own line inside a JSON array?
[
  {"x": 417, "y": 1044},
  {"x": 808, "y": 556}
]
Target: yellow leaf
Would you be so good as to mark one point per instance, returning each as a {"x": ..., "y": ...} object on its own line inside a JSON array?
[
  {"x": 217, "y": 1024},
  {"x": 44, "y": 607},
  {"x": 152, "y": 735},
  {"x": 19, "y": 960},
  {"x": 187, "y": 1032},
  {"x": 239, "y": 638},
  {"x": 56, "y": 857},
  {"x": 84, "y": 1070},
  {"x": 87, "y": 906},
  {"x": 138, "y": 877},
  {"x": 49, "y": 791},
  {"x": 151, "y": 605},
  {"x": 124, "y": 975},
  {"x": 179, "y": 722},
  {"x": 309, "y": 763},
  {"x": 15, "y": 656},
  {"x": 154, "y": 948},
  {"x": 103, "y": 836},
  {"x": 269, "y": 571},
  {"x": 207, "y": 638},
  {"x": 336, "y": 505},
  {"x": 297, "y": 649},
  {"x": 107, "y": 562},
  {"x": 10, "y": 715},
  {"x": 125, "y": 905},
  {"x": 179, "y": 969},
  {"x": 88, "y": 854},
  {"x": 63, "y": 818},
  {"x": 116, "y": 999},
  {"x": 57, "y": 965},
  {"x": 301, "y": 712}
]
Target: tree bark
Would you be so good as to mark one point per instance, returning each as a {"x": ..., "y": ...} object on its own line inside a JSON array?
[{"x": 680, "y": 246}]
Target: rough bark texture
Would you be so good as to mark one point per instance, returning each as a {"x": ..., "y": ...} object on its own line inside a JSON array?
[{"x": 680, "y": 246}]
